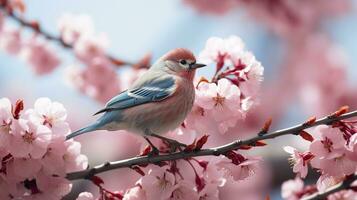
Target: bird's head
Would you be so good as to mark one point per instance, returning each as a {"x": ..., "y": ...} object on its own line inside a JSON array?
[{"x": 181, "y": 62}]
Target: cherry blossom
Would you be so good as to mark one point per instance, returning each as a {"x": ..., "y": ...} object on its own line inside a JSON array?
[
  {"x": 5, "y": 122},
  {"x": 212, "y": 6},
  {"x": 299, "y": 161},
  {"x": 19, "y": 169},
  {"x": 73, "y": 159},
  {"x": 50, "y": 114},
  {"x": 64, "y": 157},
  {"x": 220, "y": 50},
  {"x": 352, "y": 147},
  {"x": 51, "y": 187},
  {"x": 33, "y": 165},
  {"x": 344, "y": 194},
  {"x": 35, "y": 158},
  {"x": 29, "y": 139},
  {"x": 291, "y": 189},
  {"x": 10, "y": 40},
  {"x": 135, "y": 193},
  {"x": 221, "y": 101},
  {"x": 72, "y": 27},
  {"x": 184, "y": 190},
  {"x": 209, "y": 192},
  {"x": 330, "y": 152},
  {"x": 89, "y": 48},
  {"x": 325, "y": 181},
  {"x": 40, "y": 56},
  {"x": 239, "y": 171},
  {"x": 88, "y": 81},
  {"x": 251, "y": 75},
  {"x": 158, "y": 184}
]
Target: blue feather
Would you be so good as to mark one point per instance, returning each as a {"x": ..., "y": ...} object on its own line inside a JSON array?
[
  {"x": 89, "y": 128},
  {"x": 153, "y": 91}
]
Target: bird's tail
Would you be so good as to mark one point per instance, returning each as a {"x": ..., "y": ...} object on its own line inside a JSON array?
[{"x": 89, "y": 128}]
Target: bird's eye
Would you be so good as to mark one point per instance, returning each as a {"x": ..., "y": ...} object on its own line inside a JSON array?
[{"x": 183, "y": 62}]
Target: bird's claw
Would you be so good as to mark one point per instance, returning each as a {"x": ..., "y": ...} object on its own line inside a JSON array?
[
  {"x": 174, "y": 145},
  {"x": 154, "y": 151}
]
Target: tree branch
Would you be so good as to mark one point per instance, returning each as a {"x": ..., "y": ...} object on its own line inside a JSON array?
[
  {"x": 35, "y": 27},
  {"x": 216, "y": 151},
  {"x": 344, "y": 185}
]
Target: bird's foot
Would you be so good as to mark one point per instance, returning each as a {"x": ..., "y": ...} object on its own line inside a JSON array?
[
  {"x": 154, "y": 151},
  {"x": 174, "y": 145}
]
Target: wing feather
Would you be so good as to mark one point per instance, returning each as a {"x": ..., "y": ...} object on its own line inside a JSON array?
[{"x": 153, "y": 91}]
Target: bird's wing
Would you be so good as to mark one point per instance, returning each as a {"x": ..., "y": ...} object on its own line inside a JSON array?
[{"x": 151, "y": 91}]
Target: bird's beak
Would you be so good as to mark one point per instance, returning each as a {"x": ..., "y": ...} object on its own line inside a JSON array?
[{"x": 197, "y": 65}]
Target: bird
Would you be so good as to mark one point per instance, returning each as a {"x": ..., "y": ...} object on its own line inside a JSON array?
[{"x": 156, "y": 103}]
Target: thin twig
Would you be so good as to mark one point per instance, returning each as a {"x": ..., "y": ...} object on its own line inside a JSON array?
[
  {"x": 35, "y": 27},
  {"x": 216, "y": 151},
  {"x": 344, "y": 185}
]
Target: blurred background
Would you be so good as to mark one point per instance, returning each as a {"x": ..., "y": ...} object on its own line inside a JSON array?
[{"x": 308, "y": 50}]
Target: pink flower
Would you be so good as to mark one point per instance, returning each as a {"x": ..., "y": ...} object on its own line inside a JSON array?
[
  {"x": 40, "y": 56},
  {"x": 221, "y": 101},
  {"x": 220, "y": 50},
  {"x": 251, "y": 76},
  {"x": 74, "y": 160},
  {"x": 344, "y": 195},
  {"x": 135, "y": 193},
  {"x": 338, "y": 166},
  {"x": 72, "y": 27},
  {"x": 326, "y": 181},
  {"x": 53, "y": 160},
  {"x": 95, "y": 86},
  {"x": 331, "y": 145},
  {"x": 64, "y": 157},
  {"x": 299, "y": 161},
  {"x": 50, "y": 114},
  {"x": 20, "y": 169},
  {"x": 291, "y": 189},
  {"x": 352, "y": 147},
  {"x": 89, "y": 48},
  {"x": 33, "y": 166},
  {"x": 51, "y": 187},
  {"x": 184, "y": 190},
  {"x": 8, "y": 189},
  {"x": 198, "y": 121},
  {"x": 158, "y": 184},
  {"x": 331, "y": 154},
  {"x": 241, "y": 171},
  {"x": 5, "y": 122},
  {"x": 10, "y": 41},
  {"x": 212, "y": 6},
  {"x": 85, "y": 196},
  {"x": 30, "y": 139},
  {"x": 209, "y": 192}
]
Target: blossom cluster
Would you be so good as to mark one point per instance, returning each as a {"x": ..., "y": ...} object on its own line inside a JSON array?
[
  {"x": 89, "y": 48},
  {"x": 34, "y": 154},
  {"x": 191, "y": 179},
  {"x": 76, "y": 32},
  {"x": 226, "y": 99},
  {"x": 35, "y": 51},
  {"x": 286, "y": 18},
  {"x": 333, "y": 153}
]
